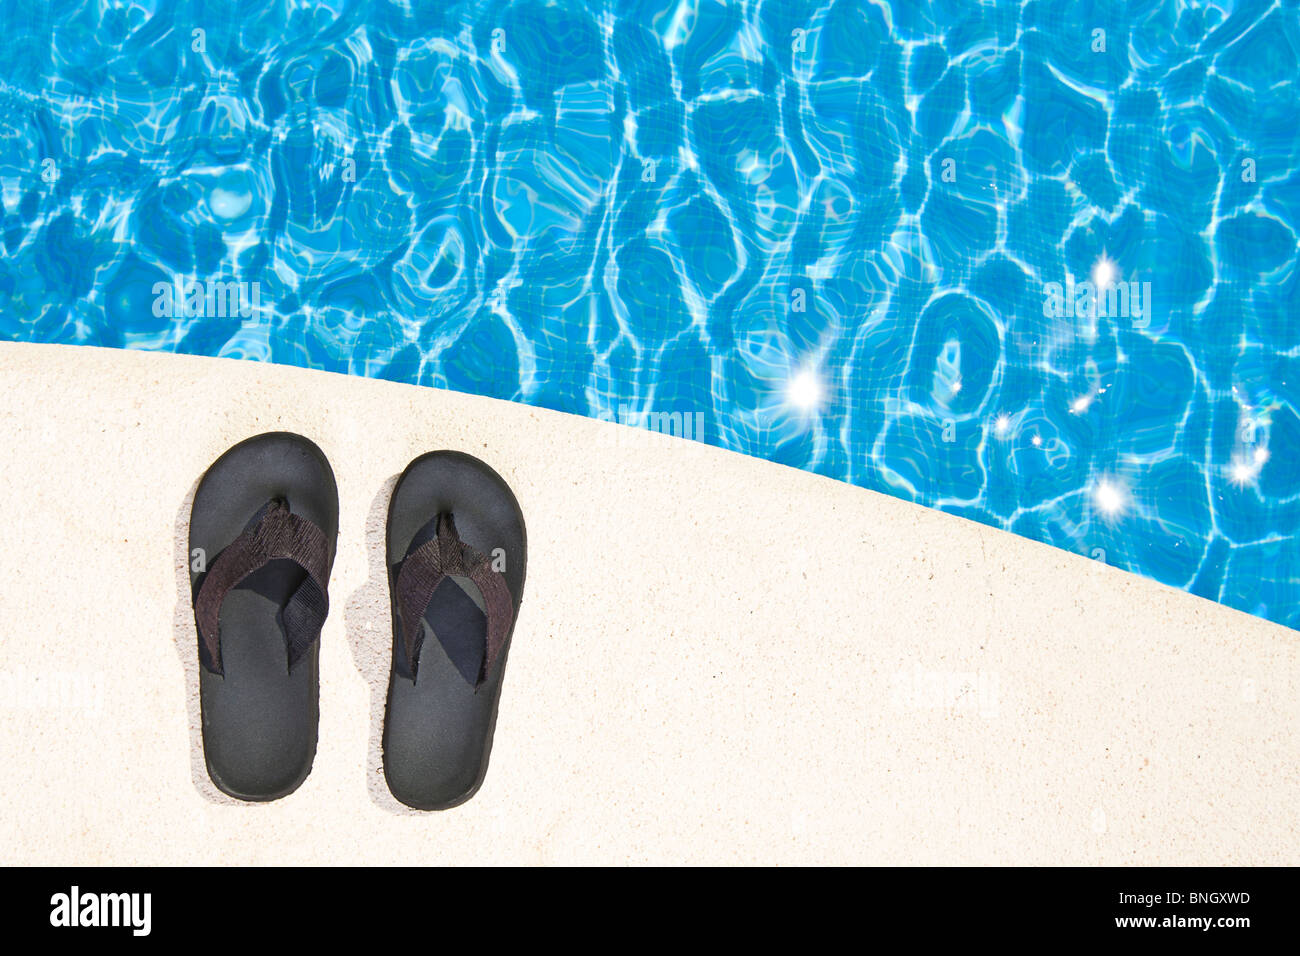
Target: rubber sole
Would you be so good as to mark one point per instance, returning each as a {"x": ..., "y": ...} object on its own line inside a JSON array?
[
  {"x": 438, "y": 729},
  {"x": 260, "y": 718}
]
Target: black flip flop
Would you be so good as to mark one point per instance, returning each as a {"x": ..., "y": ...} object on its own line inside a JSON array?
[
  {"x": 456, "y": 558},
  {"x": 263, "y": 531}
]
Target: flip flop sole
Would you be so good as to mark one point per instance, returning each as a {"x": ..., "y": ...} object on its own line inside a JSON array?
[
  {"x": 260, "y": 717},
  {"x": 438, "y": 728}
]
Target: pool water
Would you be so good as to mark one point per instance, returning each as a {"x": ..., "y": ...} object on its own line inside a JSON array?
[{"x": 1031, "y": 264}]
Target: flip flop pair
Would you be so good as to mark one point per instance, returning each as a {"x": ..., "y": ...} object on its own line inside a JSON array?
[{"x": 263, "y": 536}]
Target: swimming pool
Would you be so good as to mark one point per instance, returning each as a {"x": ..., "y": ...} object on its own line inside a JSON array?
[{"x": 1031, "y": 264}]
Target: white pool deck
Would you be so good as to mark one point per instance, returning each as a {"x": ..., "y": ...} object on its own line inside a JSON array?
[{"x": 718, "y": 659}]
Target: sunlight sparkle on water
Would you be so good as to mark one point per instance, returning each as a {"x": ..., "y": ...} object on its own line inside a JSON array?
[
  {"x": 1109, "y": 497},
  {"x": 1244, "y": 471},
  {"x": 1104, "y": 273},
  {"x": 804, "y": 391}
]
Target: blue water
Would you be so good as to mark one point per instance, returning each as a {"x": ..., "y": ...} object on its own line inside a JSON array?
[{"x": 845, "y": 236}]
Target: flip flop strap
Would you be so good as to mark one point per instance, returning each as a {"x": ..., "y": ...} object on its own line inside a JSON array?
[
  {"x": 426, "y": 567},
  {"x": 279, "y": 534}
]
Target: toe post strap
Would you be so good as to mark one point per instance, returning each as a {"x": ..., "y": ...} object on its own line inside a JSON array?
[
  {"x": 278, "y": 535},
  {"x": 425, "y": 568}
]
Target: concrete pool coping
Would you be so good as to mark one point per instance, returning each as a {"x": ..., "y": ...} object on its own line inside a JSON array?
[{"x": 718, "y": 659}]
